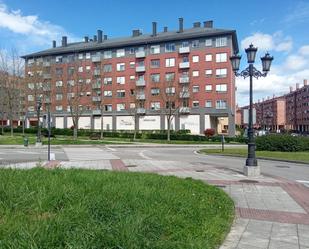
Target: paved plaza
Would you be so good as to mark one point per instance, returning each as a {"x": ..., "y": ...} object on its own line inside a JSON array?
[{"x": 272, "y": 212}]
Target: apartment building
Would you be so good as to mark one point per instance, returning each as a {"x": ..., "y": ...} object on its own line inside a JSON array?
[{"x": 135, "y": 81}]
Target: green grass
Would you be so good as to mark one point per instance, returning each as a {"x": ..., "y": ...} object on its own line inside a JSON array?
[
  {"x": 101, "y": 209},
  {"x": 292, "y": 156}
]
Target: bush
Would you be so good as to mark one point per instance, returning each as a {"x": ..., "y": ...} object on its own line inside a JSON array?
[
  {"x": 209, "y": 132},
  {"x": 282, "y": 143}
]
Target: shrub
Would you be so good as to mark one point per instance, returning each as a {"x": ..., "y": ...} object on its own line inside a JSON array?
[
  {"x": 209, "y": 132},
  {"x": 282, "y": 143}
]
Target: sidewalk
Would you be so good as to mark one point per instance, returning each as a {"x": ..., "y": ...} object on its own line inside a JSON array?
[{"x": 271, "y": 213}]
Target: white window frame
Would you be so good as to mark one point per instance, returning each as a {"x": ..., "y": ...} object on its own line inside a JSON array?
[
  {"x": 208, "y": 88},
  {"x": 195, "y": 58},
  {"x": 221, "y": 72},
  {"x": 155, "y": 49},
  {"x": 195, "y": 89},
  {"x": 221, "y": 42},
  {"x": 208, "y": 57},
  {"x": 221, "y": 57},
  {"x": 208, "y": 103},
  {"x": 208, "y": 42},
  {"x": 107, "y": 54},
  {"x": 120, "y": 66},
  {"x": 221, "y": 104},
  {"x": 120, "y": 52},
  {"x": 221, "y": 88},
  {"x": 121, "y": 80},
  {"x": 195, "y": 73},
  {"x": 121, "y": 107},
  {"x": 107, "y": 93},
  {"x": 170, "y": 62}
]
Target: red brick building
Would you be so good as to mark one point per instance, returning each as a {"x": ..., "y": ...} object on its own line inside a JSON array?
[{"x": 135, "y": 73}]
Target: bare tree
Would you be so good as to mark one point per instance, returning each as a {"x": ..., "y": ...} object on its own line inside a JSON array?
[
  {"x": 12, "y": 67},
  {"x": 3, "y": 100}
]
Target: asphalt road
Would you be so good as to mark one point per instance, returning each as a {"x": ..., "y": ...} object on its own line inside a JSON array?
[{"x": 183, "y": 155}]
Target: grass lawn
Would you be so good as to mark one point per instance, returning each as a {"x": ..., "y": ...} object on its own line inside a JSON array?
[
  {"x": 293, "y": 156},
  {"x": 100, "y": 209}
]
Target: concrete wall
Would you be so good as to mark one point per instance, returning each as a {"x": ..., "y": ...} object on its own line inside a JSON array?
[
  {"x": 190, "y": 122},
  {"x": 107, "y": 123},
  {"x": 125, "y": 123},
  {"x": 59, "y": 122},
  {"x": 149, "y": 123}
]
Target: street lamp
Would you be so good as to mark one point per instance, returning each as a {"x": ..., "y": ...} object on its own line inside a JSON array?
[
  {"x": 38, "y": 105},
  {"x": 251, "y": 168},
  {"x": 47, "y": 104}
]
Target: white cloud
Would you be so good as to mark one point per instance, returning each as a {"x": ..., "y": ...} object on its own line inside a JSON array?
[
  {"x": 299, "y": 14},
  {"x": 295, "y": 62},
  {"x": 304, "y": 50},
  {"x": 267, "y": 42},
  {"x": 29, "y": 26}
]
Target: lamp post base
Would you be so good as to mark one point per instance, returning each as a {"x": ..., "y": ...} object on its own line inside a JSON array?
[{"x": 252, "y": 171}]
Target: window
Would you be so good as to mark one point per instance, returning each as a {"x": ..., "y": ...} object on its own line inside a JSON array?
[
  {"x": 108, "y": 108},
  {"x": 208, "y": 57},
  {"x": 88, "y": 68},
  {"x": 107, "y": 93},
  {"x": 195, "y": 44},
  {"x": 80, "y": 81},
  {"x": 58, "y": 59},
  {"x": 195, "y": 58},
  {"x": 120, "y": 53},
  {"x": 221, "y": 42},
  {"x": 132, "y": 105},
  {"x": 170, "y": 77},
  {"x": 170, "y": 105},
  {"x": 132, "y": 64},
  {"x": 208, "y": 73},
  {"x": 155, "y": 105},
  {"x": 132, "y": 77},
  {"x": 185, "y": 44},
  {"x": 155, "y": 91},
  {"x": 30, "y": 98},
  {"x": 195, "y": 103},
  {"x": 221, "y": 72},
  {"x": 31, "y": 85},
  {"x": 170, "y": 47},
  {"x": 70, "y": 82},
  {"x": 155, "y": 63},
  {"x": 221, "y": 57},
  {"x": 58, "y": 107},
  {"x": 59, "y": 71},
  {"x": 208, "y": 88},
  {"x": 170, "y": 62},
  {"x": 221, "y": 87},
  {"x": 132, "y": 51},
  {"x": 208, "y": 42},
  {"x": 195, "y": 89},
  {"x": 80, "y": 69},
  {"x": 88, "y": 81},
  {"x": 170, "y": 90},
  {"x": 120, "y": 67},
  {"x": 155, "y": 78},
  {"x": 107, "y": 68},
  {"x": 107, "y": 54},
  {"x": 221, "y": 104},
  {"x": 31, "y": 108},
  {"x": 121, "y": 93},
  {"x": 195, "y": 73},
  {"x": 107, "y": 80},
  {"x": 88, "y": 55},
  {"x": 121, "y": 107},
  {"x": 70, "y": 70},
  {"x": 80, "y": 56},
  {"x": 208, "y": 103},
  {"x": 121, "y": 80},
  {"x": 70, "y": 95},
  {"x": 155, "y": 49},
  {"x": 58, "y": 96}
]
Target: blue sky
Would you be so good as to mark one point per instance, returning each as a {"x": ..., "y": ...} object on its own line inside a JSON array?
[{"x": 275, "y": 26}]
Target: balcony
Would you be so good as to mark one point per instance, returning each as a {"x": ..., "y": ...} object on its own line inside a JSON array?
[
  {"x": 96, "y": 99},
  {"x": 96, "y": 58},
  {"x": 184, "y": 110},
  {"x": 184, "y": 94},
  {"x": 96, "y": 112},
  {"x": 184, "y": 79},
  {"x": 141, "y": 111},
  {"x": 140, "y": 54},
  {"x": 96, "y": 86},
  {"x": 46, "y": 76},
  {"x": 184, "y": 64},
  {"x": 140, "y": 82},
  {"x": 140, "y": 96},
  {"x": 184, "y": 50},
  {"x": 96, "y": 72},
  {"x": 47, "y": 101},
  {"x": 46, "y": 88},
  {"x": 46, "y": 64},
  {"x": 140, "y": 69}
]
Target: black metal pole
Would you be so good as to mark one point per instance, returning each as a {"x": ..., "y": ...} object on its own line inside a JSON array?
[
  {"x": 38, "y": 139},
  {"x": 48, "y": 125},
  {"x": 251, "y": 159}
]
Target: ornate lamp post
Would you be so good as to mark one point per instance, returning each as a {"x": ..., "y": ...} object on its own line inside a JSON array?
[
  {"x": 38, "y": 105},
  {"x": 251, "y": 168}
]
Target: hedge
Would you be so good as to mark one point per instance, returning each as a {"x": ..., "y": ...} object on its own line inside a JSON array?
[{"x": 278, "y": 142}]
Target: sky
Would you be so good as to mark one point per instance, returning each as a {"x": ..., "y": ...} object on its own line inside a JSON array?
[{"x": 277, "y": 26}]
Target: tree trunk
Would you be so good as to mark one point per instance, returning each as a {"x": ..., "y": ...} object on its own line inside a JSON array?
[
  {"x": 135, "y": 128},
  {"x": 169, "y": 129},
  {"x": 23, "y": 127},
  {"x": 75, "y": 133},
  {"x": 12, "y": 131},
  {"x": 2, "y": 125},
  {"x": 101, "y": 135}
]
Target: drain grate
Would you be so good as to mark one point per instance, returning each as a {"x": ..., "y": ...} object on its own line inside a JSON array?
[
  {"x": 248, "y": 181},
  {"x": 283, "y": 166},
  {"x": 220, "y": 186},
  {"x": 199, "y": 170},
  {"x": 131, "y": 166}
]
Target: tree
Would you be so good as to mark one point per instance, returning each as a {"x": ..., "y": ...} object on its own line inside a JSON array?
[{"x": 12, "y": 68}]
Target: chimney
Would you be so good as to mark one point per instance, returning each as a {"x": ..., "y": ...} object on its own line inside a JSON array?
[
  {"x": 208, "y": 24},
  {"x": 105, "y": 37},
  {"x": 135, "y": 32},
  {"x": 291, "y": 89},
  {"x": 267, "y": 97},
  {"x": 196, "y": 25},
  {"x": 86, "y": 39},
  {"x": 100, "y": 36},
  {"x": 54, "y": 44},
  {"x": 305, "y": 82},
  {"x": 297, "y": 86},
  {"x": 95, "y": 38},
  {"x": 64, "y": 41},
  {"x": 274, "y": 96},
  {"x": 263, "y": 99},
  {"x": 165, "y": 29},
  {"x": 180, "y": 25},
  {"x": 258, "y": 100},
  {"x": 154, "y": 28}
]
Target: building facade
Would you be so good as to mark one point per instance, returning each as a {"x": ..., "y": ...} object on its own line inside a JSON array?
[{"x": 137, "y": 82}]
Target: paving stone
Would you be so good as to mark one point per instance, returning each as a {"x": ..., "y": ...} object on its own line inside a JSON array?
[{"x": 282, "y": 245}]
